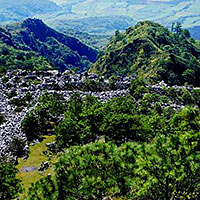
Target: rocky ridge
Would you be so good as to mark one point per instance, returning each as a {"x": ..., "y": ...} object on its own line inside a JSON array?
[
  {"x": 15, "y": 85},
  {"x": 19, "y": 83}
]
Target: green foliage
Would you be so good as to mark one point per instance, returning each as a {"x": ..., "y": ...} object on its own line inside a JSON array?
[
  {"x": 17, "y": 147},
  {"x": 152, "y": 53},
  {"x": 31, "y": 125},
  {"x": 45, "y": 48},
  {"x": 88, "y": 119},
  {"x": 154, "y": 152},
  {"x": 5, "y": 79},
  {"x": 168, "y": 168},
  {"x": 165, "y": 168},
  {"x": 19, "y": 59},
  {"x": 3, "y": 71},
  {"x": 2, "y": 119},
  {"x": 121, "y": 121},
  {"x": 10, "y": 186},
  {"x": 121, "y": 127},
  {"x": 92, "y": 85},
  {"x": 93, "y": 171},
  {"x": 43, "y": 189},
  {"x": 35, "y": 122},
  {"x": 78, "y": 122}
]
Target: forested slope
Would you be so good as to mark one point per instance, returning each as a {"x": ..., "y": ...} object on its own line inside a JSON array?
[
  {"x": 61, "y": 51},
  {"x": 152, "y": 52}
]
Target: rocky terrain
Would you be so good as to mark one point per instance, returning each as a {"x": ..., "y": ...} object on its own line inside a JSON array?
[{"x": 20, "y": 83}]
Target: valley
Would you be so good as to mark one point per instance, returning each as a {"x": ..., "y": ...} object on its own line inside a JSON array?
[
  {"x": 99, "y": 100},
  {"x": 102, "y": 18}
]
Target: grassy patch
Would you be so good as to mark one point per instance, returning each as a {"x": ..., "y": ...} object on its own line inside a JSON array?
[{"x": 36, "y": 157}]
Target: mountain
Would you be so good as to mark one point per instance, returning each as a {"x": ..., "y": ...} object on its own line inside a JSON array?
[
  {"x": 93, "y": 40},
  {"x": 14, "y": 10},
  {"x": 100, "y": 18},
  {"x": 95, "y": 31},
  {"x": 162, "y": 11},
  {"x": 11, "y": 59},
  {"x": 150, "y": 51},
  {"x": 61, "y": 51},
  {"x": 94, "y": 25}
]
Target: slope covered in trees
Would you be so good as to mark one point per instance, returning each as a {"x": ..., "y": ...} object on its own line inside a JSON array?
[
  {"x": 11, "y": 58},
  {"x": 61, "y": 51},
  {"x": 143, "y": 144},
  {"x": 124, "y": 149},
  {"x": 150, "y": 51}
]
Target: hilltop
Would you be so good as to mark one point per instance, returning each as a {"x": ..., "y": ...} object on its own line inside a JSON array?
[
  {"x": 152, "y": 52},
  {"x": 60, "y": 51}
]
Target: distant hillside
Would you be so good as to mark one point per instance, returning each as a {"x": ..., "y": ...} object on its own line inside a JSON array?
[
  {"x": 162, "y": 11},
  {"x": 151, "y": 52},
  {"x": 14, "y": 10},
  {"x": 61, "y": 51},
  {"x": 100, "y": 18},
  {"x": 93, "y": 25},
  {"x": 11, "y": 59},
  {"x": 94, "y": 31},
  {"x": 96, "y": 41}
]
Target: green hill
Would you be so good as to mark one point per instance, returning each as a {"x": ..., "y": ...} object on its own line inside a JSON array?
[
  {"x": 61, "y": 51},
  {"x": 11, "y": 58},
  {"x": 150, "y": 51}
]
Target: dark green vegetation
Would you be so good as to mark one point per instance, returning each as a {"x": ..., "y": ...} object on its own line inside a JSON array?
[
  {"x": 152, "y": 53},
  {"x": 96, "y": 41},
  {"x": 141, "y": 146},
  {"x": 134, "y": 147},
  {"x": 38, "y": 120},
  {"x": 129, "y": 147},
  {"x": 11, "y": 58},
  {"x": 10, "y": 185},
  {"x": 130, "y": 171},
  {"x": 33, "y": 45},
  {"x": 2, "y": 119}
]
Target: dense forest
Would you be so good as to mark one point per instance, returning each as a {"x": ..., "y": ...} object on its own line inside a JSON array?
[
  {"x": 142, "y": 145},
  {"x": 31, "y": 39},
  {"x": 153, "y": 53}
]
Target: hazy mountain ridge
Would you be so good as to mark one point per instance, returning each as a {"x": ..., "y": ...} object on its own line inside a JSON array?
[
  {"x": 87, "y": 15},
  {"x": 13, "y": 10},
  {"x": 161, "y": 11}
]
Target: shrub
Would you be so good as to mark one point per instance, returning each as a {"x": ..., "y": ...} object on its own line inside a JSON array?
[
  {"x": 93, "y": 171},
  {"x": 2, "y": 119},
  {"x": 10, "y": 186},
  {"x": 17, "y": 147}
]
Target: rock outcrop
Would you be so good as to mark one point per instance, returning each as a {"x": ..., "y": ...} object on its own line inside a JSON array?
[{"x": 20, "y": 83}]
